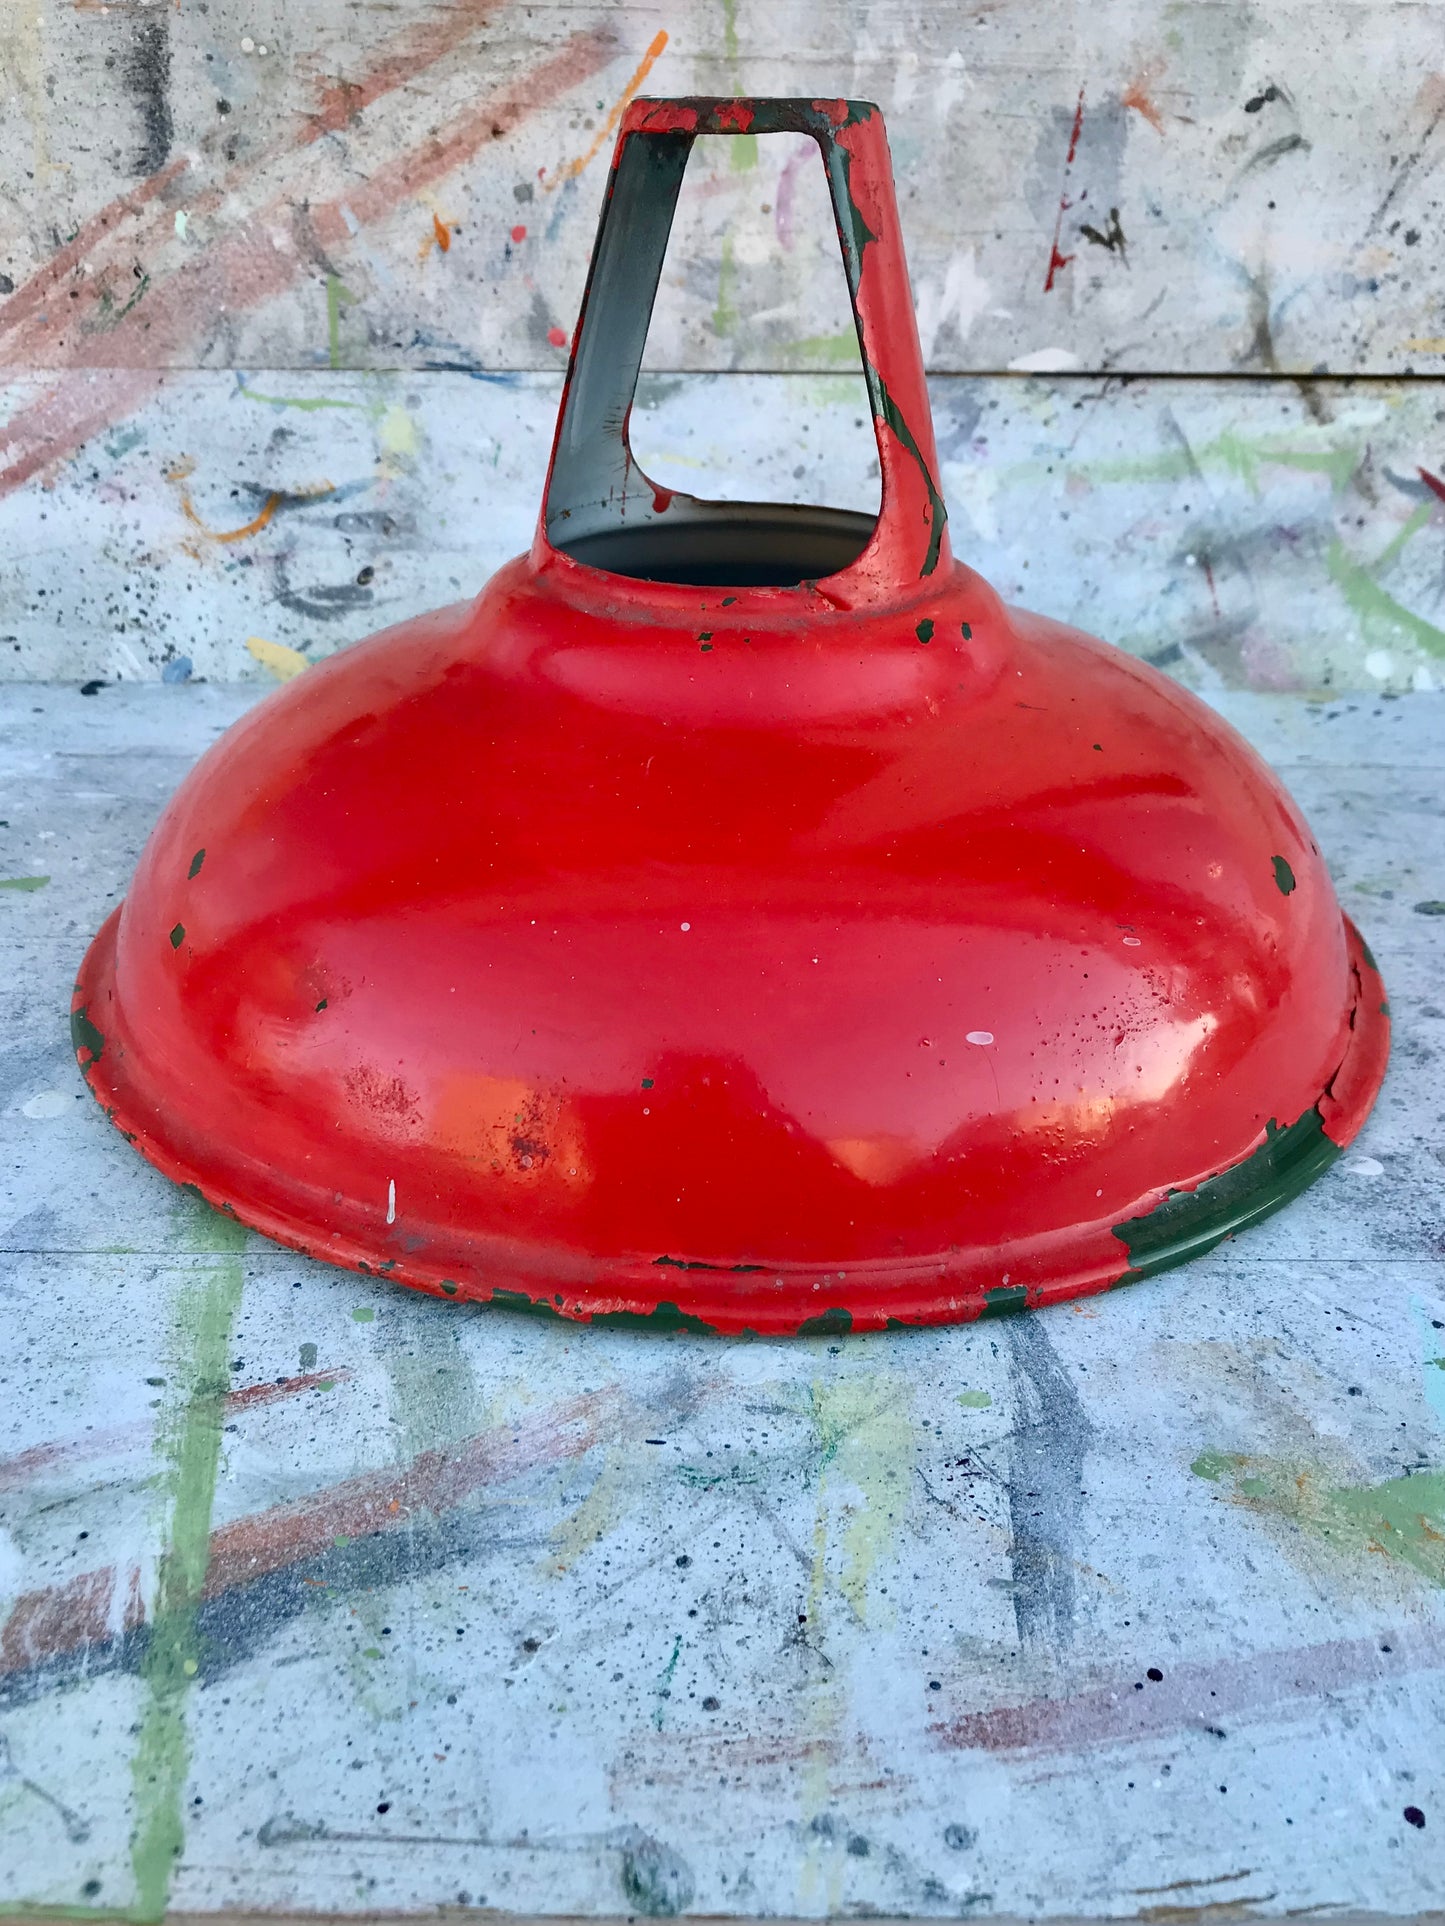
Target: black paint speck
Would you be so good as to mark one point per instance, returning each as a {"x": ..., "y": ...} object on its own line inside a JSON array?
[
  {"x": 1154, "y": 1673},
  {"x": 1415, "y": 1817}
]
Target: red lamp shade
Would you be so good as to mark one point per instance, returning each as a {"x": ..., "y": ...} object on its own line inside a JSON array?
[{"x": 736, "y": 915}]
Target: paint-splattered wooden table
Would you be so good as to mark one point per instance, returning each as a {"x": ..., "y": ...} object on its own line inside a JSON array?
[{"x": 322, "y": 1597}]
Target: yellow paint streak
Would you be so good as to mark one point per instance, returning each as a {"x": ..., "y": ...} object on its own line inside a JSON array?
[
  {"x": 396, "y": 434},
  {"x": 276, "y": 658},
  {"x": 865, "y": 1434},
  {"x": 590, "y": 1521},
  {"x": 571, "y": 169}
]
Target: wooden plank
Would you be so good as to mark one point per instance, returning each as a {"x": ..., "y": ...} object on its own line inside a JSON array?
[
  {"x": 1239, "y": 534},
  {"x": 259, "y": 184}
]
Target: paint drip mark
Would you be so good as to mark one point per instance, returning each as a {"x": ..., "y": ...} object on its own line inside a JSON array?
[
  {"x": 148, "y": 70},
  {"x": 571, "y": 169},
  {"x": 1051, "y": 1437},
  {"x": 1056, "y": 259},
  {"x": 188, "y": 1452},
  {"x": 664, "y": 1684}
]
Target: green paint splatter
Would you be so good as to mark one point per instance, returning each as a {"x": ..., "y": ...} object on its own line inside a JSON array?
[
  {"x": 1283, "y": 875},
  {"x": 725, "y": 314},
  {"x": 307, "y": 404},
  {"x": 744, "y": 150},
  {"x": 975, "y": 1400},
  {"x": 196, "y": 861},
  {"x": 664, "y": 1684},
  {"x": 188, "y": 1449},
  {"x": 1380, "y": 616},
  {"x": 336, "y": 294},
  {"x": 364, "y": 1314},
  {"x": 840, "y": 349},
  {"x": 1403, "y": 1518},
  {"x": 178, "y": 936},
  {"x": 26, "y": 884}
]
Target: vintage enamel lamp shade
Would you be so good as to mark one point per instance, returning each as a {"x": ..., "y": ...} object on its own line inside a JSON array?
[{"x": 736, "y": 913}]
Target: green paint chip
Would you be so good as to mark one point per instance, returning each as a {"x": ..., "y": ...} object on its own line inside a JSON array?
[
  {"x": 327, "y": 1384},
  {"x": 321, "y": 1006},
  {"x": 341, "y": 1538},
  {"x": 1283, "y": 875},
  {"x": 924, "y": 631},
  {"x": 27, "y": 885},
  {"x": 178, "y": 936},
  {"x": 371, "y": 1651},
  {"x": 647, "y": 1082},
  {"x": 705, "y": 648},
  {"x": 196, "y": 861},
  {"x": 449, "y": 1286},
  {"x": 836, "y": 1322},
  {"x": 364, "y": 1314},
  {"x": 967, "y": 631},
  {"x": 975, "y": 1400}
]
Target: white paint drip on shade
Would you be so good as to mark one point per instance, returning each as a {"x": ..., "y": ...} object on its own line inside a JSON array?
[
  {"x": 45, "y": 1103},
  {"x": 980, "y": 1036},
  {"x": 1365, "y": 1167},
  {"x": 1044, "y": 361},
  {"x": 391, "y": 1201}
]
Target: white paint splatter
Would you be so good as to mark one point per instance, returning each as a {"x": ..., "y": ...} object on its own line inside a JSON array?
[
  {"x": 1422, "y": 682},
  {"x": 391, "y": 1201},
  {"x": 1044, "y": 361},
  {"x": 1365, "y": 1167},
  {"x": 182, "y": 222},
  {"x": 45, "y": 1103},
  {"x": 1132, "y": 942},
  {"x": 1380, "y": 664},
  {"x": 962, "y": 299},
  {"x": 980, "y": 1036}
]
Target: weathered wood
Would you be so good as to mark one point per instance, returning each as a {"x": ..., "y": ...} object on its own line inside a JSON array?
[
  {"x": 1204, "y": 188},
  {"x": 869, "y": 1631},
  {"x": 1237, "y": 533}
]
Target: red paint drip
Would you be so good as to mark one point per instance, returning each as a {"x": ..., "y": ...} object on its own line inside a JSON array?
[
  {"x": 661, "y": 499},
  {"x": 1432, "y": 482},
  {"x": 519, "y": 233},
  {"x": 557, "y": 337},
  {"x": 1057, "y": 260}
]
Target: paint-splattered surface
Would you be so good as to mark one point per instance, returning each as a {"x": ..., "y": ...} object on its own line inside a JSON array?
[
  {"x": 1198, "y": 187},
  {"x": 318, "y": 1596},
  {"x": 286, "y": 290},
  {"x": 1237, "y": 534}
]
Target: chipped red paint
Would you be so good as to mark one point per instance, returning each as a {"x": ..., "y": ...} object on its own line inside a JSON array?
[{"x": 814, "y": 980}]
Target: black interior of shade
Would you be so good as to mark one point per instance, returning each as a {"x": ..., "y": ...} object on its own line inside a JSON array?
[{"x": 738, "y": 545}]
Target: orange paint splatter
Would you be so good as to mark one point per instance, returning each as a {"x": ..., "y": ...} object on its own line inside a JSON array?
[
  {"x": 441, "y": 233},
  {"x": 573, "y": 168},
  {"x": 1137, "y": 97}
]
